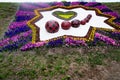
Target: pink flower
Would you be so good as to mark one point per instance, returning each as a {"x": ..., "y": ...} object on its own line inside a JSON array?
[
  {"x": 25, "y": 34},
  {"x": 14, "y": 25},
  {"x": 27, "y": 46},
  {"x": 38, "y": 44},
  {"x": 106, "y": 39},
  {"x": 32, "y": 45},
  {"x": 4, "y": 42},
  {"x": 15, "y": 38},
  {"x": 71, "y": 41}
]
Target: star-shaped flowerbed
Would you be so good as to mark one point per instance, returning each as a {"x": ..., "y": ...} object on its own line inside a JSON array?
[{"x": 23, "y": 34}]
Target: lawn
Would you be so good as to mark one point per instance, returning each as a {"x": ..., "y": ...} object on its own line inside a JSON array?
[
  {"x": 61, "y": 63},
  {"x": 7, "y": 12}
]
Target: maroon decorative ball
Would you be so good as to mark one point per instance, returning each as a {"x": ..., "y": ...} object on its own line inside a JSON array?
[
  {"x": 83, "y": 22},
  {"x": 65, "y": 25},
  {"x": 75, "y": 23},
  {"x": 52, "y": 26},
  {"x": 86, "y": 19},
  {"x": 89, "y": 16}
]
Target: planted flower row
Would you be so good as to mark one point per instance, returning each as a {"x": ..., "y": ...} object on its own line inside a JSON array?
[
  {"x": 68, "y": 42},
  {"x": 16, "y": 31},
  {"x": 13, "y": 46},
  {"x": 106, "y": 39},
  {"x": 17, "y": 41},
  {"x": 15, "y": 25}
]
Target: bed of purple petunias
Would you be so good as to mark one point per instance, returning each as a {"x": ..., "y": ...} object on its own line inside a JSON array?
[{"x": 19, "y": 34}]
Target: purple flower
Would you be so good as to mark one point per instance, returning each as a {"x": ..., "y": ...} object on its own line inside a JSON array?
[
  {"x": 25, "y": 34},
  {"x": 27, "y": 46},
  {"x": 116, "y": 32},
  {"x": 58, "y": 3},
  {"x": 14, "y": 25},
  {"x": 24, "y": 13},
  {"x": 117, "y": 23},
  {"x": 90, "y": 4},
  {"x": 101, "y": 7},
  {"x": 105, "y": 39},
  {"x": 32, "y": 45},
  {"x": 74, "y": 3},
  {"x": 39, "y": 44},
  {"x": 15, "y": 38},
  {"x": 4, "y": 42},
  {"x": 71, "y": 41},
  {"x": 115, "y": 14}
]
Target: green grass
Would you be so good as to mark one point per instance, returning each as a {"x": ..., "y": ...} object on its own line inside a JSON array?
[
  {"x": 7, "y": 12},
  {"x": 7, "y": 9},
  {"x": 29, "y": 66},
  {"x": 114, "y": 6},
  {"x": 40, "y": 64}
]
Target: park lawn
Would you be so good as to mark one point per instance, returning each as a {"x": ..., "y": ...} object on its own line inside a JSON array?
[
  {"x": 7, "y": 12},
  {"x": 57, "y": 63}
]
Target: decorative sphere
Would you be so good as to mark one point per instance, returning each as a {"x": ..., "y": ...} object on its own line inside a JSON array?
[
  {"x": 83, "y": 22},
  {"x": 89, "y": 16},
  {"x": 52, "y": 26},
  {"x": 65, "y": 25},
  {"x": 86, "y": 20},
  {"x": 75, "y": 23}
]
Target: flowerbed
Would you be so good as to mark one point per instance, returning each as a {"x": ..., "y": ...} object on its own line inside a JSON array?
[{"x": 19, "y": 34}]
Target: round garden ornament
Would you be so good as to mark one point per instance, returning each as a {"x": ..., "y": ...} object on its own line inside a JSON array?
[{"x": 52, "y": 26}]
